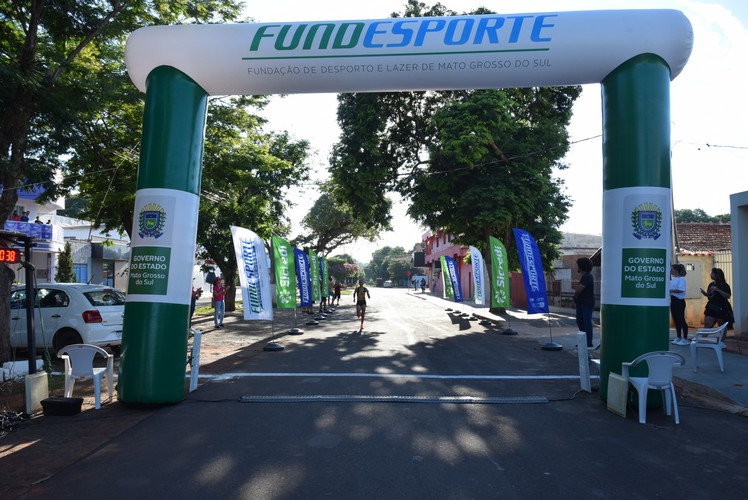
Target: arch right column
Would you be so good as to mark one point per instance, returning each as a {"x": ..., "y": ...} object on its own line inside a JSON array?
[{"x": 635, "y": 313}]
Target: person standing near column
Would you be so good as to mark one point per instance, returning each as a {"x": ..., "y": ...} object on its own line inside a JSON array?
[
  {"x": 678, "y": 303},
  {"x": 718, "y": 309},
  {"x": 196, "y": 293},
  {"x": 584, "y": 297},
  {"x": 219, "y": 293}
]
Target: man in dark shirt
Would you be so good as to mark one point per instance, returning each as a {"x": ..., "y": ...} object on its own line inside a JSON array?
[{"x": 584, "y": 297}]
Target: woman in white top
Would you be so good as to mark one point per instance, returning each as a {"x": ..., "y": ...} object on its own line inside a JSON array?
[{"x": 678, "y": 303}]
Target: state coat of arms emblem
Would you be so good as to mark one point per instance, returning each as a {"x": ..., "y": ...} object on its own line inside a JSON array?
[
  {"x": 646, "y": 220},
  {"x": 151, "y": 221}
]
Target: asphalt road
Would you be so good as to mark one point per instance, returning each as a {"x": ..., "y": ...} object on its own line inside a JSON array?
[{"x": 421, "y": 404}]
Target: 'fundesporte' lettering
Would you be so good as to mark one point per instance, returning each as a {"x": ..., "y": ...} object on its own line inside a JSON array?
[
  {"x": 252, "y": 272},
  {"x": 397, "y": 33},
  {"x": 530, "y": 263}
]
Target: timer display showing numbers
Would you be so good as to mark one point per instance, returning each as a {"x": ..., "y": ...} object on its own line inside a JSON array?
[{"x": 10, "y": 255}]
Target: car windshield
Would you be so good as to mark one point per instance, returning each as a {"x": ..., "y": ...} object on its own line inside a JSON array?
[{"x": 105, "y": 297}]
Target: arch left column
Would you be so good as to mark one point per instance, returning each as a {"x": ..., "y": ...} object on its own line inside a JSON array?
[{"x": 155, "y": 331}]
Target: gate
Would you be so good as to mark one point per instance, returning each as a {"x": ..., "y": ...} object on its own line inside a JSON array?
[{"x": 723, "y": 260}]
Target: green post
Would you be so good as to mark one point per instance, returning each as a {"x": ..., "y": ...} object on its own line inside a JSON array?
[
  {"x": 636, "y": 213},
  {"x": 154, "y": 339}
]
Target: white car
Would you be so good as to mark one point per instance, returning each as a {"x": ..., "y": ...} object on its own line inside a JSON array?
[
  {"x": 388, "y": 284},
  {"x": 69, "y": 313}
]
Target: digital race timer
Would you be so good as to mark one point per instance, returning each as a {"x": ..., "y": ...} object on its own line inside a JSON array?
[{"x": 10, "y": 255}]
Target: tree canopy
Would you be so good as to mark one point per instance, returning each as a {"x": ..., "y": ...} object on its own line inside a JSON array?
[
  {"x": 245, "y": 175},
  {"x": 474, "y": 163},
  {"x": 59, "y": 62},
  {"x": 343, "y": 268},
  {"x": 699, "y": 215},
  {"x": 331, "y": 224}
]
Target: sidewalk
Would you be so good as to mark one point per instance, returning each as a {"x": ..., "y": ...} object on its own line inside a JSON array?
[{"x": 729, "y": 390}]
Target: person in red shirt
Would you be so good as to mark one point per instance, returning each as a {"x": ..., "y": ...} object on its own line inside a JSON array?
[{"x": 219, "y": 293}]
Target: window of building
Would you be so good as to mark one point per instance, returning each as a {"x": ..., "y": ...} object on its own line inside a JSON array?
[
  {"x": 107, "y": 274},
  {"x": 81, "y": 273}
]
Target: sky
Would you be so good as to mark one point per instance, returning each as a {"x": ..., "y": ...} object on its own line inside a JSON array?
[{"x": 708, "y": 109}]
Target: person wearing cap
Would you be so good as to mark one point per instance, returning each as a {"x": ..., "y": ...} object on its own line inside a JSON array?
[
  {"x": 219, "y": 294},
  {"x": 359, "y": 297},
  {"x": 196, "y": 293}
]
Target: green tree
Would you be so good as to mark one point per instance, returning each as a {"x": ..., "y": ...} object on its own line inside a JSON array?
[
  {"x": 65, "y": 272},
  {"x": 475, "y": 163},
  {"x": 498, "y": 149},
  {"x": 245, "y": 176},
  {"x": 398, "y": 268},
  {"x": 698, "y": 215},
  {"x": 343, "y": 268},
  {"x": 102, "y": 166},
  {"x": 331, "y": 224},
  {"x": 75, "y": 206},
  {"x": 379, "y": 265},
  {"x": 55, "y": 56}
]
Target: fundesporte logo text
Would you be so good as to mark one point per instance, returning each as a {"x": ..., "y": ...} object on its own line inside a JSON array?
[{"x": 467, "y": 32}]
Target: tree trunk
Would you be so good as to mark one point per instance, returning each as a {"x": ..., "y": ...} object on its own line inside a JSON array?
[{"x": 229, "y": 281}]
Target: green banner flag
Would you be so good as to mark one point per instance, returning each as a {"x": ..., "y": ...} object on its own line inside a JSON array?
[
  {"x": 446, "y": 281},
  {"x": 499, "y": 274},
  {"x": 325, "y": 275},
  {"x": 314, "y": 276},
  {"x": 285, "y": 274}
]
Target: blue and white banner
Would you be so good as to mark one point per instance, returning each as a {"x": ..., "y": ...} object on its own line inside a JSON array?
[
  {"x": 479, "y": 279},
  {"x": 303, "y": 277},
  {"x": 454, "y": 278},
  {"x": 254, "y": 274},
  {"x": 532, "y": 272}
]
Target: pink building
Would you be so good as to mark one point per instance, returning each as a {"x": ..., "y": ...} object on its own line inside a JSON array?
[{"x": 439, "y": 244}]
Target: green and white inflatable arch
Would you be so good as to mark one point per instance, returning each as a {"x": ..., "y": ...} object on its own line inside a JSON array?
[{"x": 634, "y": 54}]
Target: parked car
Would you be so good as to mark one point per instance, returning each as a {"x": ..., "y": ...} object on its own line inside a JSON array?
[
  {"x": 388, "y": 284},
  {"x": 69, "y": 313}
]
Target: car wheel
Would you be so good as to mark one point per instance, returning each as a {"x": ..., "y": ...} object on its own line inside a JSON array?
[{"x": 67, "y": 337}]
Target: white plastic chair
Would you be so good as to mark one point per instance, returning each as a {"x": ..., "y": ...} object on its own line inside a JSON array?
[
  {"x": 79, "y": 360},
  {"x": 660, "y": 378},
  {"x": 709, "y": 338}
]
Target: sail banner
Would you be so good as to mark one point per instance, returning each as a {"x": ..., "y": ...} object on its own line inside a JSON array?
[
  {"x": 454, "y": 278},
  {"x": 302, "y": 277},
  {"x": 254, "y": 275},
  {"x": 285, "y": 274},
  {"x": 324, "y": 274},
  {"x": 499, "y": 274},
  {"x": 446, "y": 281},
  {"x": 314, "y": 276},
  {"x": 532, "y": 272},
  {"x": 479, "y": 283}
]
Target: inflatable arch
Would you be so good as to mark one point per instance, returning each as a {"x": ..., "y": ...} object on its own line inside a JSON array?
[{"x": 633, "y": 54}]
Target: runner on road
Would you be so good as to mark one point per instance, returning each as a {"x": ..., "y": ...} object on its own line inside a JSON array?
[{"x": 359, "y": 297}]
